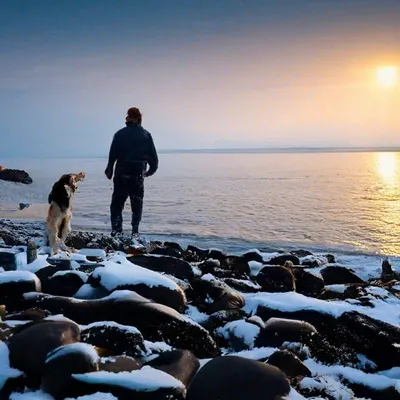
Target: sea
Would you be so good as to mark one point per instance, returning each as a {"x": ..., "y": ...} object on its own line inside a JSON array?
[{"x": 343, "y": 202}]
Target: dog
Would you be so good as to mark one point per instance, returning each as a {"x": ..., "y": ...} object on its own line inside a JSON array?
[{"x": 58, "y": 221}]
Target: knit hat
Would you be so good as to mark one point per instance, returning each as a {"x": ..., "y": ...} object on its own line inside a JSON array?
[{"x": 133, "y": 116}]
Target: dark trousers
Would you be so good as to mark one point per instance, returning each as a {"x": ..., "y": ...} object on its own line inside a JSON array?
[{"x": 125, "y": 186}]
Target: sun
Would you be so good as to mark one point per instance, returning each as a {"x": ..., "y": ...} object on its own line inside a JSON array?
[{"x": 387, "y": 76}]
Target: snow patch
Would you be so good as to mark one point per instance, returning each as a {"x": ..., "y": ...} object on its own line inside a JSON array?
[
  {"x": 74, "y": 348},
  {"x": 6, "y": 371},
  {"x": 19, "y": 276},
  {"x": 241, "y": 329}
]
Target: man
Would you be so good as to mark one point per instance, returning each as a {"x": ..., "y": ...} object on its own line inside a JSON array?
[{"x": 132, "y": 149}]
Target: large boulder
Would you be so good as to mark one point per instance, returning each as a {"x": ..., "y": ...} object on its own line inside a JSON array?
[
  {"x": 308, "y": 283},
  {"x": 15, "y": 175},
  {"x": 147, "y": 283},
  {"x": 335, "y": 274},
  {"x": 30, "y": 343},
  {"x": 232, "y": 377},
  {"x": 156, "y": 322},
  {"x": 276, "y": 279}
]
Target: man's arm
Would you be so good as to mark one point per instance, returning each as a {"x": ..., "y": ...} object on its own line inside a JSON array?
[
  {"x": 152, "y": 158},
  {"x": 112, "y": 157}
]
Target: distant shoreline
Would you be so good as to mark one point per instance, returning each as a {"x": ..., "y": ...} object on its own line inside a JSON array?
[{"x": 239, "y": 150}]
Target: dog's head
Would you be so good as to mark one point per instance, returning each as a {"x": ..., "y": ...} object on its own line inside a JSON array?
[{"x": 72, "y": 180}]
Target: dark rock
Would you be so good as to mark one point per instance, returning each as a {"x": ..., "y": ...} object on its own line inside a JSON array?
[
  {"x": 307, "y": 283},
  {"x": 208, "y": 266},
  {"x": 278, "y": 330},
  {"x": 232, "y": 377},
  {"x": 155, "y": 321},
  {"x": 181, "y": 364},
  {"x": 32, "y": 314},
  {"x": 245, "y": 286},
  {"x": 276, "y": 279},
  {"x": 15, "y": 175},
  {"x": 288, "y": 363},
  {"x": 167, "y": 249},
  {"x": 13, "y": 286},
  {"x": 45, "y": 274},
  {"x": 364, "y": 392},
  {"x": 31, "y": 252},
  {"x": 9, "y": 258},
  {"x": 375, "y": 339},
  {"x": 59, "y": 262},
  {"x": 169, "y": 265},
  {"x": 235, "y": 264},
  {"x": 119, "y": 364},
  {"x": 221, "y": 318},
  {"x": 281, "y": 260},
  {"x": 62, "y": 363},
  {"x": 66, "y": 284},
  {"x": 214, "y": 295},
  {"x": 336, "y": 274},
  {"x": 197, "y": 254},
  {"x": 30, "y": 343},
  {"x": 253, "y": 256},
  {"x": 118, "y": 338},
  {"x": 301, "y": 253},
  {"x": 331, "y": 258}
]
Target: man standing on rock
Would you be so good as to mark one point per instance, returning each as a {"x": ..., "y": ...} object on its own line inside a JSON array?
[{"x": 132, "y": 149}]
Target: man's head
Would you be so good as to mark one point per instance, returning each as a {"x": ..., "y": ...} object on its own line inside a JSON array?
[{"x": 133, "y": 116}]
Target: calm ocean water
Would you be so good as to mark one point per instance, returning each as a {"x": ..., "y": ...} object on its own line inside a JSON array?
[{"x": 347, "y": 201}]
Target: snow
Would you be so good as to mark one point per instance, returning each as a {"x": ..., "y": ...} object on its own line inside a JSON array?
[
  {"x": 146, "y": 379},
  {"x": 39, "y": 263},
  {"x": 113, "y": 275},
  {"x": 208, "y": 278},
  {"x": 112, "y": 324},
  {"x": 193, "y": 313},
  {"x": 122, "y": 295},
  {"x": 74, "y": 348},
  {"x": 259, "y": 353},
  {"x": 93, "y": 252},
  {"x": 6, "y": 371},
  {"x": 157, "y": 347},
  {"x": 293, "y": 395},
  {"x": 59, "y": 317},
  {"x": 86, "y": 292},
  {"x": 255, "y": 267},
  {"x": 37, "y": 395},
  {"x": 19, "y": 276},
  {"x": 241, "y": 329},
  {"x": 95, "y": 396},
  {"x": 336, "y": 288},
  {"x": 385, "y": 310},
  {"x": 373, "y": 381},
  {"x": 328, "y": 385},
  {"x": 81, "y": 274}
]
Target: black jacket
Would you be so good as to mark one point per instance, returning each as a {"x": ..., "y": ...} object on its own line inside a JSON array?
[{"x": 133, "y": 148}]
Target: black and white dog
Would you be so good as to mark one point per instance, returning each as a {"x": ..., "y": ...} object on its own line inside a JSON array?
[{"x": 58, "y": 222}]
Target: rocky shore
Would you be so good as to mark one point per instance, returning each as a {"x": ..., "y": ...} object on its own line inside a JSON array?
[{"x": 109, "y": 321}]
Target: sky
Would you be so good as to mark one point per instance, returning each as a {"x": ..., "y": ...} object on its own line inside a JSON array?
[{"x": 205, "y": 74}]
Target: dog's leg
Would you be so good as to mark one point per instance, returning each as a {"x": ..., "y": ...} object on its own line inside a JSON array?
[
  {"x": 66, "y": 229},
  {"x": 52, "y": 227}
]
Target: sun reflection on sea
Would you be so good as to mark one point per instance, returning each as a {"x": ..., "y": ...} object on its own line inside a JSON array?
[{"x": 385, "y": 223}]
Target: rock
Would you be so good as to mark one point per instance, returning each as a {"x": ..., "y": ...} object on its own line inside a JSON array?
[
  {"x": 281, "y": 260},
  {"x": 331, "y": 258},
  {"x": 278, "y": 330},
  {"x": 156, "y": 322},
  {"x": 13, "y": 285},
  {"x": 197, "y": 254},
  {"x": 121, "y": 339},
  {"x": 65, "y": 283},
  {"x": 44, "y": 274},
  {"x": 213, "y": 295},
  {"x": 181, "y": 364},
  {"x": 336, "y": 274},
  {"x": 253, "y": 256},
  {"x": 239, "y": 335},
  {"x": 62, "y": 363},
  {"x": 149, "y": 284},
  {"x": 30, "y": 343},
  {"x": 32, "y": 314},
  {"x": 288, "y": 363},
  {"x": 168, "y": 249},
  {"x": 232, "y": 377},
  {"x": 22, "y": 206},
  {"x": 301, "y": 253},
  {"x": 15, "y": 175},
  {"x": 31, "y": 252},
  {"x": 235, "y": 264},
  {"x": 119, "y": 364},
  {"x": 221, "y": 318},
  {"x": 169, "y": 265},
  {"x": 144, "y": 384},
  {"x": 375, "y": 339},
  {"x": 276, "y": 279},
  {"x": 307, "y": 283},
  {"x": 9, "y": 258},
  {"x": 244, "y": 286}
]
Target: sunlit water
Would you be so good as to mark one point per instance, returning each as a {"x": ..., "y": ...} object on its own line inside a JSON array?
[{"x": 332, "y": 201}]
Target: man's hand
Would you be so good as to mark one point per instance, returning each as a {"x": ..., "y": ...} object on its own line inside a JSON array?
[{"x": 109, "y": 173}]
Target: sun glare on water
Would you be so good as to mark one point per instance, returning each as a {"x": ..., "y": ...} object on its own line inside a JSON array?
[{"x": 387, "y": 76}]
